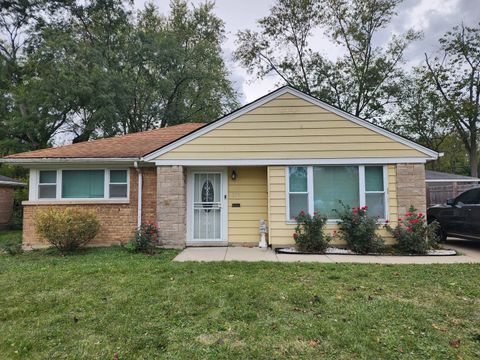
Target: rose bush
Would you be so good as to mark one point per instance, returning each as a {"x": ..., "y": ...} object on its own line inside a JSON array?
[
  {"x": 358, "y": 229},
  {"x": 309, "y": 235},
  {"x": 413, "y": 234},
  {"x": 145, "y": 239}
]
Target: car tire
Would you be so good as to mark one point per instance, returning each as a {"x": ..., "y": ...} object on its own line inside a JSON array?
[{"x": 442, "y": 234}]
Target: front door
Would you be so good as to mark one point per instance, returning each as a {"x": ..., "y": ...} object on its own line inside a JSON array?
[{"x": 207, "y": 206}]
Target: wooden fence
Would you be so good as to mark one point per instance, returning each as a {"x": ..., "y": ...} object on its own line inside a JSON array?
[{"x": 439, "y": 192}]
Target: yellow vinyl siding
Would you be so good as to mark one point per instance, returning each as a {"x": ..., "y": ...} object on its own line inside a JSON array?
[
  {"x": 281, "y": 231},
  {"x": 250, "y": 191},
  {"x": 288, "y": 127}
]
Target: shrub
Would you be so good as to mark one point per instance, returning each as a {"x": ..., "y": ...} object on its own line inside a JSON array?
[
  {"x": 145, "y": 239},
  {"x": 309, "y": 235},
  {"x": 413, "y": 234},
  {"x": 359, "y": 230},
  {"x": 20, "y": 194},
  {"x": 67, "y": 229}
]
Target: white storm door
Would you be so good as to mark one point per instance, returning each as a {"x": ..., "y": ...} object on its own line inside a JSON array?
[{"x": 208, "y": 206}]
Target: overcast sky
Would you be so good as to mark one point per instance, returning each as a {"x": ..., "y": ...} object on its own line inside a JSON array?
[{"x": 432, "y": 17}]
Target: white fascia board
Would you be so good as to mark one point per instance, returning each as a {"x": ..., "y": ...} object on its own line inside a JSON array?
[
  {"x": 431, "y": 155},
  {"x": 266, "y": 162},
  {"x": 38, "y": 161}
]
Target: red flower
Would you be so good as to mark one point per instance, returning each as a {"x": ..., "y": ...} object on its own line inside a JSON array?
[
  {"x": 314, "y": 213},
  {"x": 386, "y": 221},
  {"x": 399, "y": 219},
  {"x": 355, "y": 210},
  {"x": 295, "y": 235},
  {"x": 409, "y": 229},
  {"x": 420, "y": 215},
  {"x": 302, "y": 213}
]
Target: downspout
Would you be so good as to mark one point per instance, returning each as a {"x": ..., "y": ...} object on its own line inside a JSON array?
[{"x": 139, "y": 195}]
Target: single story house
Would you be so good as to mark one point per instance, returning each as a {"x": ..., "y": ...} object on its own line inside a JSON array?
[
  {"x": 7, "y": 187},
  {"x": 442, "y": 186},
  {"x": 211, "y": 184}
]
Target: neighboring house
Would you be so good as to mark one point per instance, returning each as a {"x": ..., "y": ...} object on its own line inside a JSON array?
[
  {"x": 211, "y": 184},
  {"x": 442, "y": 186},
  {"x": 7, "y": 187}
]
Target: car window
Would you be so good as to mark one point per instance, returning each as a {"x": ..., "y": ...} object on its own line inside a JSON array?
[{"x": 469, "y": 197}]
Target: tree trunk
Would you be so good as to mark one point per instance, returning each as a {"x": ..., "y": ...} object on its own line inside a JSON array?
[{"x": 473, "y": 159}]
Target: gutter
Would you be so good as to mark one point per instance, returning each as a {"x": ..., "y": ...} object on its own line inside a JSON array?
[
  {"x": 12, "y": 183},
  {"x": 139, "y": 195},
  {"x": 65, "y": 160}
]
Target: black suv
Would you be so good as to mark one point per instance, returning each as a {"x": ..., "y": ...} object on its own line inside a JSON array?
[{"x": 460, "y": 217}]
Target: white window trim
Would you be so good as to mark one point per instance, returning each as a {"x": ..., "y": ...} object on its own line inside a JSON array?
[
  {"x": 361, "y": 185},
  {"x": 48, "y": 184},
  {"x": 35, "y": 183},
  {"x": 108, "y": 183}
]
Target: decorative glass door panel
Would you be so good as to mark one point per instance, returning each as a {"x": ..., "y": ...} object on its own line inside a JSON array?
[{"x": 207, "y": 206}]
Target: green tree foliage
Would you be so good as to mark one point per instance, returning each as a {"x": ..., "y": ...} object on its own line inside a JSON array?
[
  {"x": 457, "y": 77},
  {"x": 421, "y": 114},
  {"x": 94, "y": 68},
  {"x": 362, "y": 82}
]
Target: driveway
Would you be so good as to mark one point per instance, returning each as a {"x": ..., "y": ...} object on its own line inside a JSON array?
[{"x": 469, "y": 253}]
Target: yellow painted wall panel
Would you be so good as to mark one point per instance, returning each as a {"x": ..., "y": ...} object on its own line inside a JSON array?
[
  {"x": 281, "y": 231},
  {"x": 250, "y": 191},
  {"x": 289, "y": 127}
]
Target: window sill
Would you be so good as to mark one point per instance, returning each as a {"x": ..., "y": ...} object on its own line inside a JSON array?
[
  {"x": 76, "y": 201},
  {"x": 334, "y": 222}
]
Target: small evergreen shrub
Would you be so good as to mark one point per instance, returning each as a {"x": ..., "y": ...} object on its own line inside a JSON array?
[
  {"x": 413, "y": 234},
  {"x": 145, "y": 239},
  {"x": 67, "y": 229},
  {"x": 309, "y": 235},
  {"x": 358, "y": 229}
]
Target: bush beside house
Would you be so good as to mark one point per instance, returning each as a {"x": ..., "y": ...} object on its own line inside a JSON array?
[
  {"x": 359, "y": 230},
  {"x": 67, "y": 229}
]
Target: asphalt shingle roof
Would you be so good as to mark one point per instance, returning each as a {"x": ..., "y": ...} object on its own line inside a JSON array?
[
  {"x": 133, "y": 145},
  {"x": 443, "y": 176}
]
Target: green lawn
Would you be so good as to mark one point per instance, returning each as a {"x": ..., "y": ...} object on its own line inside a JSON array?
[
  {"x": 10, "y": 237},
  {"x": 107, "y": 301}
]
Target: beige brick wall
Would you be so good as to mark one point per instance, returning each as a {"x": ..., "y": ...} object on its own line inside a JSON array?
[
  {"x": 6, "y": 206},
  {"x": 117, "y": 221},
  {"x": 172, "y": 205},
  {"x": 411, "y": 187}
]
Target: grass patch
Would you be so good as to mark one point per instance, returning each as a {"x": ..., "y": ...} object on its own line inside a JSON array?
[
  {"x": 9, "y": 237},
  {"x": 106, "y": 301}
]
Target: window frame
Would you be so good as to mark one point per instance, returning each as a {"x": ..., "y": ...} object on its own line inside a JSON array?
[
  {"x": 361, "y": 186},
  {"x": 39, "y": 184},
  {"x": 35, "y": 180},
  {"x": 109, "y": 183}
]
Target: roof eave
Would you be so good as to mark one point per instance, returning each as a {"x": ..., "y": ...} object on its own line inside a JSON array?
[
  {"x": 47, "y": 160},
  {"x": 12, "y": 183}
]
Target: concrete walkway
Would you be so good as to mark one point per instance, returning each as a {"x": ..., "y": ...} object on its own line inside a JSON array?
[{"x": 468, "y": 253}]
